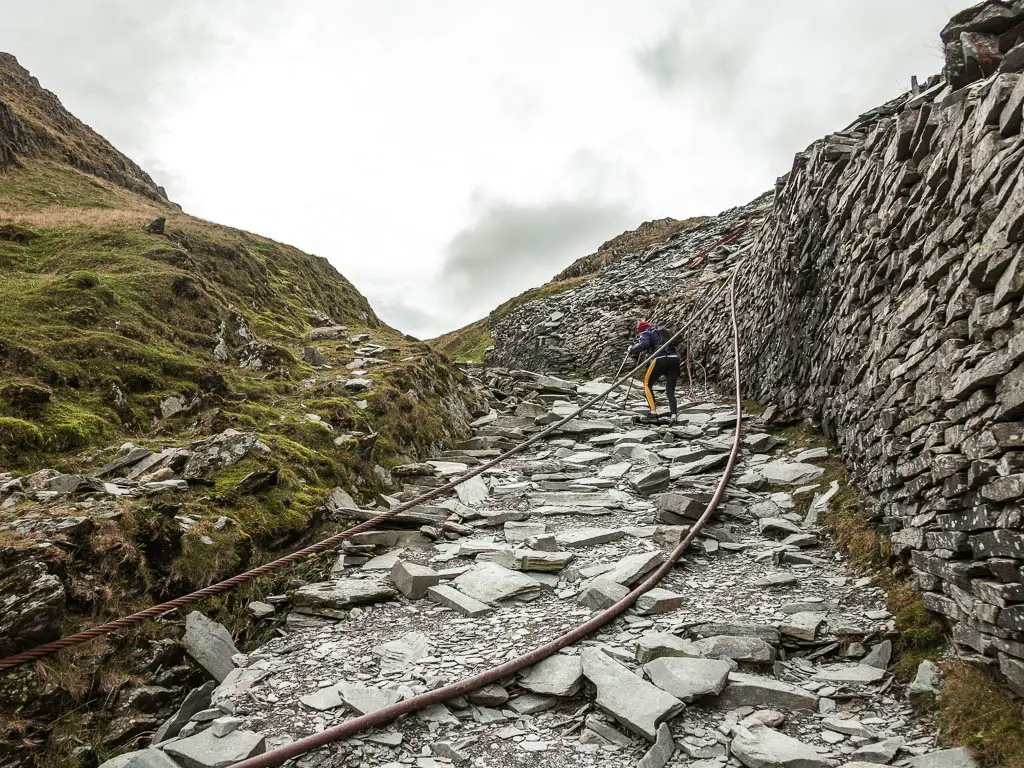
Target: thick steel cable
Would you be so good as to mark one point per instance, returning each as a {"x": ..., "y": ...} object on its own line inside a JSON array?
[
  {"x": 388, "y": 714},
  {"x": 155, "y": 611}
]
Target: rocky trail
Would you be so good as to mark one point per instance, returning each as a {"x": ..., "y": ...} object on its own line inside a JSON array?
[{"x": 761, "y": 648}]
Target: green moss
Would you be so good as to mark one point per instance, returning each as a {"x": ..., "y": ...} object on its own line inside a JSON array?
[{"x": 18, "y": 437}]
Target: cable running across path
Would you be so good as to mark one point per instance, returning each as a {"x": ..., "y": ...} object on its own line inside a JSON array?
[
  {"x": 388, "y": 714},
  {"x": 156, "y": 611}
]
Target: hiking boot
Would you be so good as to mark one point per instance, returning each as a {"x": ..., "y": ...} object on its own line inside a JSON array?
[{"x": 650, "y": 418}]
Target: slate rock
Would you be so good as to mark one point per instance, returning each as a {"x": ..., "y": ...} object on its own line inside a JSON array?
[
  {"x": 635, "y": 703},
  {"x": 195, "y": 701},
  {"x": 758, "y": 746},
  {"x": 803, "y": 625},
  {"x": 204, "y": 750},
  {"x": 210, "y": 644},
  {"x": 652, "y": 481},
  {"x": 657, "y": 600},
  {"x": 631, "y": 569},
  {"x": 413, "y": 580},
  {"x": 656, "y": 645},
  {"x": 879, "y": 655},
  {"x": 927, "y": 682},
  {"x": 557, "y": 675},
  {"x": 491, "y": 583},
  {"x": 880, "y": 752},
  {"x": 661, "y": 752},
  {"x": 399, "y": 654},
  {"x": 452, "y": 598},
  {"x": 746, "y": 690},
  {"x": 748, "y": 649},
  {"x": 602, "y": 593},
  {"x": 365, "y": 699},
  {"x": 341, "y": 593},
  {"x": 143, "y": 758},
  {"x": 688, "y": 679},
  {"x": 945, "y": 758},
  {"x": 861, "y": 674}
]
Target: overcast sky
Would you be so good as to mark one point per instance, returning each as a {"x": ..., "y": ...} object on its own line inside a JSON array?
[{"x": 447, "y": 155}]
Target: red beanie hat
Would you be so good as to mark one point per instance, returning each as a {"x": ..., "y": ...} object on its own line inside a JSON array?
[{"x": 642, "y": 326}]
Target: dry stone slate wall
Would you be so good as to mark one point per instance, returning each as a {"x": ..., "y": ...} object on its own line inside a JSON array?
[
  {"x": 883, "y": 299},
  {"x": 880, "y": 294}
]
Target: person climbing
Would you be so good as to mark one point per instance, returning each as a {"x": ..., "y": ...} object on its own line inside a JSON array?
[{"x": 665, "y": 365}]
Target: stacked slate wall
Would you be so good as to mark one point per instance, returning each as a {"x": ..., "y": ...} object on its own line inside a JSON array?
[{"x": 883, "y": 299}]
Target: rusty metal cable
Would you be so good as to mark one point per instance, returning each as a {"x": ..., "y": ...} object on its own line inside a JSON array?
[
  {"x": 388, "y": 714},
  {"x": 156, "y": 611}
]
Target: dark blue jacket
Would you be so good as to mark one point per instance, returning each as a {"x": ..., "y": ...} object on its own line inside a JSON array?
[{"x": 650, "y": 340}]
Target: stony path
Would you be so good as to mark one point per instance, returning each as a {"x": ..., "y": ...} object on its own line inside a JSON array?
[{"x": 762, "y": 648}]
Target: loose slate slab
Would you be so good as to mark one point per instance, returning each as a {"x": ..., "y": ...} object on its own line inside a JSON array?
[
  {"x": 210, "y": 645},
  {"x": 789, "y": 473},
  {"x": 656, "y": 645},
  {"x": 413, "y": 580},
  {"x": 473, "y": 491},
  {"x": 659, "y": 754},
  {"x": 452, "y": 598},
  {"x": 322, "y": 699},
  {"x": 532, "y": 703},
  {"x": 803, "y": 625},
  {"x": 558, "y": 675},
  {"x": 634, "y": 702},
  {"x": 849, "y": 673},
  {"x": 631, "y": 569},
  {"x": 143, "y": 758},
  {"x": 758, "y": 746},
  {"x": 397, "y": 655},
  {"x": 601, "y": 594},
  {"x": 688, "y": 679},
  {"x": 518, "y": 532},
  {"x": 746, "y": 690},
  {"x": 341, "y": 593},
  {"x": 491, "y": 583},
  {"x": 945, "y": 758},
  {"x": 587, "y": 537},
  {"x": 658, "y": 600},
  {"x": 749, "y": 649},
  {"x": 364, "y": 699},
  {"x": 584, "y": 458},
  {"x": 538, "y": 560},
  {"x": 204, "y": 750}
]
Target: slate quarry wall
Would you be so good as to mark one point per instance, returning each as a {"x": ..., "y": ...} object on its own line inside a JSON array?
[
  {"x": 879, "y": 290},
  {"x": 883, "y": 299}
]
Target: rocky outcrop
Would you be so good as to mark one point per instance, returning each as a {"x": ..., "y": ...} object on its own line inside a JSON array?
[
  {"x": 879, "y": 292},
  {"x": 33, "y": 123}
]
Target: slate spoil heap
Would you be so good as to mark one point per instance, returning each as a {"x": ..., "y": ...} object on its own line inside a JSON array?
[
  {"x": 880, "y": 299},
  {"x": 761, "y": 649}
]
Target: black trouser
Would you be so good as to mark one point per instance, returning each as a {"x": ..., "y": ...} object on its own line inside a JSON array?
[{"x": 667, "y": 366}]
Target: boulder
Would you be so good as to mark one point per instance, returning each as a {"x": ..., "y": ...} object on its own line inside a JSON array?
[
  {"x": 210, "y": 644},
  {"x": 688, "y": 679}
]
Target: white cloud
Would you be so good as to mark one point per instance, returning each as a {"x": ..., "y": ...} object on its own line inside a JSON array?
[{"x": 362, "y": 131}]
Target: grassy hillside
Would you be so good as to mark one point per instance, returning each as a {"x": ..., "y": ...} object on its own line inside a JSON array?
[{"x": 113, "y": 331}]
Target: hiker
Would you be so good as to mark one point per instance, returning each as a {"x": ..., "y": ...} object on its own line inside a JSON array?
[{"x": 666, "y": 365}]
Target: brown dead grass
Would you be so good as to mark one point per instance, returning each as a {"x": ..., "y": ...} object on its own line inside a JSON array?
[{"x": 978, "y": 711}]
